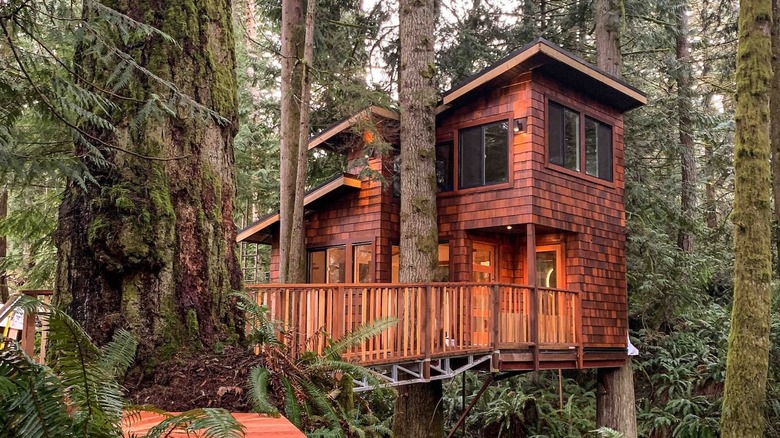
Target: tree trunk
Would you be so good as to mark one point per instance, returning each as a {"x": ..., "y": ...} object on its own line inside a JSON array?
[
  {"x": 616, "y": 406},
  {"x": 292, "y": 70},
  {"x": 151, "y": 245},
  {"x": 3, "y": 247},
  {"x": 774, "y": 116},
  {"x": 297, "y": 251},
  {"x": 747, "y": 362},
  {"x": 608, "y": 16},
  {"x": 615, "y": 402},
  {"x": 417, "y": 412},
  {"x": 685, "y": 238}
]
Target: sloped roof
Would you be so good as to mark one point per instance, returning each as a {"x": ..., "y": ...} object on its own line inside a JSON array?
[
  {"x": 260, "y": 231},
  {"x": 561, "y": 65},
  {"x": 328, "y": 133}
]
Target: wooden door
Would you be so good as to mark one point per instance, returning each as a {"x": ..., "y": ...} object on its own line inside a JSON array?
[{"x": 483, "y": 265}]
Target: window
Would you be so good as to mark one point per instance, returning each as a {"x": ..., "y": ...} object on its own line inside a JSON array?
[
  {"x": 483, "y": 262},
  {"x": 598, "y": 149},
  {"x": 361, "y": 263},
  {"x": 483, "y": 155},
  {"x": 328, "y": 265},
  {"x": 566, "y": 148},
  {"x": 549, "y": 266},
  {"x": 444, "y": 166}
]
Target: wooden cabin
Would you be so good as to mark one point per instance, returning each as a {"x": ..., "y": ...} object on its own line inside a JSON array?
[{"x": 529, "y": 162}]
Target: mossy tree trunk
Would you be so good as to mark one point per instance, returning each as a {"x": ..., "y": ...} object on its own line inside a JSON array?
[
  {"x": 417, "y": 410},
  {"x": 150, "y": 246},
  {"x": 747, "y": 362},
  {"x": 774, "y": 116},
  {"x": 615, "y": 398}
]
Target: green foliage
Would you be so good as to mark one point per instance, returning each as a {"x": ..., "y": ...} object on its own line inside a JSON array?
[
  {"x": 524, "y": 405},
  {"x": 314, "y": 391},
  {"x": 78, "y": 392}
]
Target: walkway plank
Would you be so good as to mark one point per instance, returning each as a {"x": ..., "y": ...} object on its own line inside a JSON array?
[{"x": 257, "y": 426}]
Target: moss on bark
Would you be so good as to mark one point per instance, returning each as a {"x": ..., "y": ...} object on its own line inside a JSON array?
[
  {"x": 150, "y": 246},
  {"x": 748, "y": 352}
]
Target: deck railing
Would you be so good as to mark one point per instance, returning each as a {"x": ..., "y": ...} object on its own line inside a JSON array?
[{"x": 434, "y": 320}]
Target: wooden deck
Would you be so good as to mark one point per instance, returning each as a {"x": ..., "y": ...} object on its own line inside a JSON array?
[
  {"x": 257, "y": 426},
  {"x": 525, "y": 327}
]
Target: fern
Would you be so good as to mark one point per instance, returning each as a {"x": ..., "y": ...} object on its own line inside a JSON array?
[{"x": 258, "y": 386}]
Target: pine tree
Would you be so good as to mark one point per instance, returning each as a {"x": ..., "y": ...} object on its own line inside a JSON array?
[
  {"x": 417, "y": 412},
  {"x": 747, "y": 363}
]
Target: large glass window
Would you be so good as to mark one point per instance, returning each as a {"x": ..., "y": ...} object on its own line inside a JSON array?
[
  {"x": 328, "y": 265},
  {"x": 483, "y": 154},
  {"x": 566, "y": 148},
  {"x": 361, "y": 263}
]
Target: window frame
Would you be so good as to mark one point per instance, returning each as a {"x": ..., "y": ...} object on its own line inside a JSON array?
[
  {"x": 457, "y": 170},
  {"x": 560, "y": 263},
  {"x": 584, "y": 114}
]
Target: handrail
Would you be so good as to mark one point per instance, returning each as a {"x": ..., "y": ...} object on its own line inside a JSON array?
[{"x": 434, "y": 319}]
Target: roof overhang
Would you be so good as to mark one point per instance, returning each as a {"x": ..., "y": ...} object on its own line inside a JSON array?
[
  {"x": 562, "y": 66},
  {"x": 360, "y": 117},
  {"x": 262, "y": 230}
]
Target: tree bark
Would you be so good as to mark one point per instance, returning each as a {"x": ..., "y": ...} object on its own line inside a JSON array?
[
  {"x": 608, "y": 17},
  {"x": 4, "y": 294},
  {"x": 747, "y": 362},
  {"x": 616, "y": 406},
  {"x": 417, "y": 412},
  {"x": 292, "y": 70},
  {"x": 685, "y": 236},
  {"x": 297, "y": 251},
  {"x": 774, "y": 116},
  {"x": 151, "y": 245},
  {"x": 615, "y": 400}
]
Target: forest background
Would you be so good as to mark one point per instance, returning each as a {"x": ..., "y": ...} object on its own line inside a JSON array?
[{"x": 679, "y": 175}]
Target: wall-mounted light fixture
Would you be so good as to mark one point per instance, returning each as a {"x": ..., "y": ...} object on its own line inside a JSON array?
[{"x": 521, "y": 124}]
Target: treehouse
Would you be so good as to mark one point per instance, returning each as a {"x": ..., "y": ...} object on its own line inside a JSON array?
[{"x": 529, "y": 165}]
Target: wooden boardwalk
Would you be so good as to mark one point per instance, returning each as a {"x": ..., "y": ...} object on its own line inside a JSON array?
[{"x": 257, "y": 426}]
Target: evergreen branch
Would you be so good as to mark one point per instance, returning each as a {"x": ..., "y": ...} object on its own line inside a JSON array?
[{"x": 62, "y": 118}]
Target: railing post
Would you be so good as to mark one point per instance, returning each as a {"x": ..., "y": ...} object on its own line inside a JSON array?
[
  {"x": 531, "y": 262},
  {"x": 427, "y": 331},
  {"x": 495, "y": 310},
  {"x": 28, "y": 331}
]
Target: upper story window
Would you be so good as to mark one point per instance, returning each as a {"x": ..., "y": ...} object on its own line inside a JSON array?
[
  {"x": 483, "y": 155},
  {"x": 567, "y": 148}
]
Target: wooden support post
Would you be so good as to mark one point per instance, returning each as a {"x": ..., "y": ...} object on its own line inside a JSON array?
[
  {"x": 495, "y": 317},
  {"x": 531, "y": 262},
  {"x": 427, "y": 332},
  {"x": 28, "y": 333}
]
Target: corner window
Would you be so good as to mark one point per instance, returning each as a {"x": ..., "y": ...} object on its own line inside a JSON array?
[
  {"x": 483, "y": 155},
  {"x": 566, "y": 148}
]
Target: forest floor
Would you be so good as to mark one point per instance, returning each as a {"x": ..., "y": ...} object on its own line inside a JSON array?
[{"x": 206, "y": 380}]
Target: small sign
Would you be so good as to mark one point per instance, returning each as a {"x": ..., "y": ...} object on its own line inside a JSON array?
[{"x": 16, "y": 320}]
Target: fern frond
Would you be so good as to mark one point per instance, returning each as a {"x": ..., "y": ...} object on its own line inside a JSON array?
[
  {"x": 355, "y": 337},
  {"x": 119, "y": 354},
  {"x": 258, "y": 387},
  {"x": 292, "y": 410}
]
